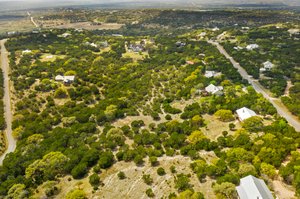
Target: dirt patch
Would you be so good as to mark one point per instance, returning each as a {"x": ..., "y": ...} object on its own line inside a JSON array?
[
  {"x": 133, "y": 186},
  {"x": 135, "y": 56},
  {"x": 215, "y": 127},
  {"x": 282, "y": 190},
  {"x": 80, "y": 25},
  {"x": 50, "y": 57}
]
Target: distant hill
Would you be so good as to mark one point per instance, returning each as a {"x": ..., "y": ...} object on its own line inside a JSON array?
[{"x": 32, "y": 4}]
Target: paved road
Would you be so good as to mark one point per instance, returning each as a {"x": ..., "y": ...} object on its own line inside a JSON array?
[
  {"x": 32, "y": 20},
  {"x": 11, "y": 142},
  {"x": 281, "y": 109}
]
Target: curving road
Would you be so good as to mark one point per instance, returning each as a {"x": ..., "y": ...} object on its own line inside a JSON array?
[
  {"x": 32, "y": 20},
  {"x": 11, "y": 142},
  {"x": 281, "y": 109}
]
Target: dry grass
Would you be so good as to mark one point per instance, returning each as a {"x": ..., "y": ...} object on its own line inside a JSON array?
[
  {"x": 135, "y": 56},
  {"x": 51, "y": 58},
  {"x": 215, "y": 127},
  {"x": 133, "y": 186},
  {"x": 64, "y": 24},
  {"x": 16, "y": 25}
]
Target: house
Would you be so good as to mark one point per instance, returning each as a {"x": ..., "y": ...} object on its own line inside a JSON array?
[
  {"x": 268, "y": 65},
  {"x": 136, "y": 47},
  {"x": 180, "y": 44},
  {"x": 214, "y": 90},
  {"x": 65, "y": 35},
  {"x": 66, "y": 79},
  {"x": 211, "y": 73},
  {"x": 252, "y": 46},
  {"x": 117, "y": 35},
  {"x": 59, "y": 78},
  {"x": 238, "y": 48},
  {"x": 253, "y": 188},
  {"x": 245, "y": 113},
  {"x": 69, "y": 79},
  {"x": 26, "y": 51},
  {"x": 94, "y": 45},
  {"x": 294, "y": 31},
  {"x": 215, "y": 29}
]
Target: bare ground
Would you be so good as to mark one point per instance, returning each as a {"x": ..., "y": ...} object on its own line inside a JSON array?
[{"x": 282, "y": 190}]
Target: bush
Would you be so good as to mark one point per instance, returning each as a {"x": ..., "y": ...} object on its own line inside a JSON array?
[
  {"x": 121, "y": 175},
  {"x": 94, "y": 180},
  {"x": 150, "y": 193},
  {"x": 161, "y": 171},
  {"x": 147, "y": 179},
  {"x": 79, "y": 171}
]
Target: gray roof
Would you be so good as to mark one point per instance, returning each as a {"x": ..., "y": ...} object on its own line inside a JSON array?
[{"x": 253, "y": 188}]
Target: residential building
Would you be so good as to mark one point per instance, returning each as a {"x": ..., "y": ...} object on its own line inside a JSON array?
[
  {"x": 252, "y": 46},
  {"x": 214, "y": 90},
  {"x": 211, "y": 73},
  {"x": 66, "y": 79},
  {"x": 253, "y": 188},
  {"x": 245, "y": 113}
]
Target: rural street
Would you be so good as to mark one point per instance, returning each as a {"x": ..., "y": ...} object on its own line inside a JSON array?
[
  {"x": 281, "y": 109},
  {"x": 11, "y": 142},
  {"x": 32, "y": 20}
]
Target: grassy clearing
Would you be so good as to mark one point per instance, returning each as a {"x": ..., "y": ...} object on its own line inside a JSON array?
[
  {"x": 215, "y": 127},
  {"x": 135, "y": 56},
  {"x": 51, "y": 58}
]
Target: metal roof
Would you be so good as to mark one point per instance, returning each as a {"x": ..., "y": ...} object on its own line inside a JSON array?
[{"x": 253, "y": 188}]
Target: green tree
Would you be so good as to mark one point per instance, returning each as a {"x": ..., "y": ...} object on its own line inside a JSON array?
[
  {"x": 253, "y": 124},
  {"x": 161, "y": 171},
  {"x": 60, "y": 93},
  {"x": 17, "y": 191},
  {"x": 147, "y": 179},
  {"x": 189, "y": 194},
  {"x": 182, "y": 182},
  {"x": 225, "y": 190},
  {"x": 246, "y": 169},
  {"x": 47, "y": 167},
  {"x": 224, "y": 115},
  {"x": 94, "y": 180},
  {"x": 150, "y": 193},
  {"x": 268, "y": 170},
  {"x": 76, "y": 194},
  {"x": 121, "y": 175}
]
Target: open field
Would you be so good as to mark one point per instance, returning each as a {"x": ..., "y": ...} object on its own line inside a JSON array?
[
  {"x": 84, "y": 25},
  {"x": 50, "y": 57},
  {"x": 15, "y": 25},
  {"x": 135, "y": 56},
  {"x": 133, "y": 186}
]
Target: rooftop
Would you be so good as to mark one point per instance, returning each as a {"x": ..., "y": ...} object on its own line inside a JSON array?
[{"x": 253, "y": 188}]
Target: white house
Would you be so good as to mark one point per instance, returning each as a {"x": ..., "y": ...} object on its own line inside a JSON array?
[
  {"x": 59, "y": 78},
  {"x": 215, "y": 90},
  {"x": 215, "y": 29},
  {"x": 26, "y": 51},
  {"x": 66, "y": 35},
  {"x": 252, "y": 46},
  {"x": 66, "y": 79},
  {"x": 268, "y": 65},
  {"x": 245, "y": 113},
  {"x": 202, "y": 34},
  {"x": 211, "y": 73},
  {"x": 238, "y": 48},
  {"x": 253, "y": 188}
]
